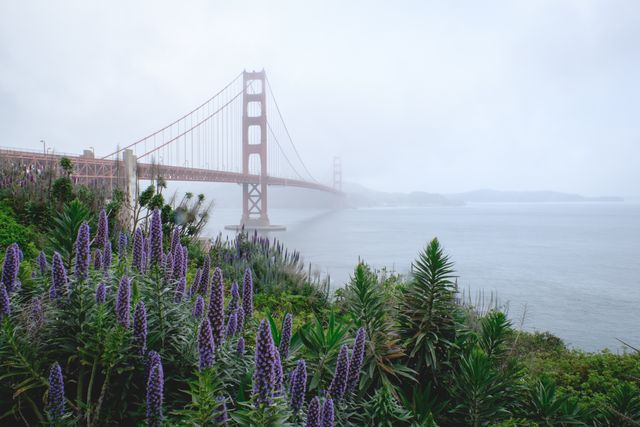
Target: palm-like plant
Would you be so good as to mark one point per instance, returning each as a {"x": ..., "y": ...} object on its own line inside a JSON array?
[
  {"x": 65, "y": 228},
  {"x": 546, "y": 407},
  {"x": 427, "y": 311}
]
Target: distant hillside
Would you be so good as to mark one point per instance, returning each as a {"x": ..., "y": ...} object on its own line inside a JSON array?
[
  {"x": 359, "y": 196},
  {"x": 495, "y": 196}
]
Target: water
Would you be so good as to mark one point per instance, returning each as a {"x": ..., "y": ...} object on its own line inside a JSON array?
[{"x": 572, "y": 269}]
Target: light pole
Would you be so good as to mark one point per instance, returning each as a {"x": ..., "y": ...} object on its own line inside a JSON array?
[{"x": 44, "y": 147}]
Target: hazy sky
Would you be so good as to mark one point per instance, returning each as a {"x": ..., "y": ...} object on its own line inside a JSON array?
[{"x": 438, "y": 96}]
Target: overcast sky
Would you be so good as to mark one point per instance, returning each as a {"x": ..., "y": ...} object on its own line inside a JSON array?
[{"x": 440, "y": 96}]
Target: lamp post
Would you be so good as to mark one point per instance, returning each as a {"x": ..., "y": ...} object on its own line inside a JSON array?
[{"x": 44, "y": 147}]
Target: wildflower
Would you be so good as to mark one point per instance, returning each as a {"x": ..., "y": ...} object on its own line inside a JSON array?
[
  {"x": 107, "y": 256},
  {"x": 180, "y": 287},
  {"x": 355, "y": 365},
  {"x": 222, "y": 418},
  {"x": 138, "y": 249},
  {"x": 198, "y": 308},
  {"x": 239, "y": 320},
  {"x": 195, "y": 286},
  {"x": 140, "y": 328},
  {"x": 155, "y": 392},
  {"x": 10, "y": 267},
  {"x": 231, "y": 325},
  {"x": 5, "y": 304},
  {"x": 313, "y": 413},
  {"x": 55, "y": 404},
  {"x": 203, "y": 288},
  {"x": 185, "y": 260},
  {"x": 123, "y": 302},
  {"x": 42, "y": 263},
  {"x": 168, "y": 268},
  {"x": 216, "y": 307},
  {"x": 327, "y": 413},
  {"x": 247, "y": 294},
  {"x": 156, "y": 237},
  {"x": 285, "y": 338},
  {"x": 339, "y": 382},
  {"x": 263, "y": 376},
  {"x": 102, "y": 236},
  {"x": 37, "y": 314},
  {"x": 206, "y": 346},
  {"x": 298, "y": 386},
  {"x": 175, "y": 240},
  {"x": 235, "y": 297},
  {"x": 153, "y": 358},
  {"x": 83, "y": 255},
  {"x": 122, "y": 246},
  {"x": 97, "y": 260},
  {"x": 101, "y": 293},
  {"x": 240, "y": 346},
  {"x": 278, "y": 375},
  {"x": 177, "y": 262},
  {"x": 58, "y": 277}
]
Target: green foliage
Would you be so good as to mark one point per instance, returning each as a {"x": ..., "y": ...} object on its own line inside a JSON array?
[
  {"x": 13, "y": 232},
  {"x": 427, "y": 311},
  {"x": 62, "y": 190},
  {"x": 547, "y": 408},
  {"x": 63, "y": 235},
  {"x": 67, "y": 165},
  {"x": 384, "y": 410}
]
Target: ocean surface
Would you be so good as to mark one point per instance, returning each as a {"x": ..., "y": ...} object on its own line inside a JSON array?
[{"x": 570, "y": 268}]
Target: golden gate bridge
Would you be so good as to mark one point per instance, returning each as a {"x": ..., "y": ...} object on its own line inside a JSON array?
[{"x": 228, "y": 138}]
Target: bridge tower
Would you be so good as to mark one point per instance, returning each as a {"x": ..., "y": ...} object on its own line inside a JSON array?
[
  {"x": 337, "y": 173},
  {"x": 254, "y": 143}
]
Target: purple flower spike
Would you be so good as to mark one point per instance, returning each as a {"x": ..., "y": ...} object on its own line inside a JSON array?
[
  {"x": 285, "y": 339},
  {"x": 180, "y": 288},
  {"x": 123, "y": 302},
  {"x": 168, "y": 269},
  {"x": 102, "y": 234},
  {"x": 122, "y": 246},
  {"x": 58, "y": 277},
  {"x": 240, "y": 346},
  {"x": 153, "y": 358},
  {"x": 37, "y": 314},
  {"x": 42, "y": 263},
  {"x": 97, "y": 260},
  {"x": 206, "y": 346},
  {"x": 156, "y": 237},
  {"x": 138, "y": 249},
  {"x": 10, "y": 267},
  {"x": 327, "y": 413},
  {"x": 140, "y": 328},
  {"x": 298, "y": 386},
  {"x": 175, "y": 240},
  {"x": 198, "y": 308},
  {"x": 339, "y": 382},
  {"x": 278, "y": 375},
  {"x": 107, "y": 256},
  {"x": 232, "y": 325},
  {"x": 185, "y": 260},
  {"x": 155, "y": 395},
  {"x": 177, "y": 262},
  {"x": 239, "y": 320},
  {"x": 247, "y": 294},
  {"x": 101, "y": 293},
  {"x": 264, "y": 373},
  {"x": 216, "y": 307},
  {"x": 195, "y": 286},
  {"x": 55, "y": 404},
  {"x": 355, "y": 365},
  {"x": 83, "y": 254},
  {"x": 313, "y": 413},
  {"x": 221, "y": 418},
  {"x": 235, "y": 297},
  {"x": 204, "y": 277},
  {"x": 5, "y": 304}
]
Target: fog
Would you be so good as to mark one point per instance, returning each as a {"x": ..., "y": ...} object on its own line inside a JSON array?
[{"x": 433, "y": 96}]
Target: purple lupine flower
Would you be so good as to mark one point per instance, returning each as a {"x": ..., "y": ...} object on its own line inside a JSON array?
[
  {"x": 168, "y": 268},
  {"x": 101, "y": 293},
  {"x": 123, "y": 302},
  {"x": 185, "y": 260},
  {"x": 147, "y": 252},
  {"x": 153, "y": 358},
  {"x": 355, "y": 365},
  {"x": 313, "y": 413},
  {"x": 102, "y": 235},
  {"x": 221, "y": 418},
  {"x": 247, "y": 294},
  {"x": 83, "y": 254},
  {"x": 156, "y": 237},
  {"x": 107, "y": 256},
  {"x": 264, "y": 373},
  {"x": 138, "y": 249},
  {"x": 122, "y": 246},
  {"x": 298, "y": 386},
  {"x": 232, "y": 325},
  {"x": 42, "y": 263},
  {"x": 216, "y": 307},
  {"x": 55, "y": 404},
  {"x": 285, "y": 338},
  {"x": 140, "y": 328},
  {"x": 195, "y": 286},
  {"x": 339, "y": 382},
  {"x": 58, "y": 277},
  {"x": 5, "y": 304},
  {"x": 175, "y": 240},
  {"x": 235, "y": 297},
  {"x": 278, "y": 375},
  {"x": 180, "y": 288},
  {"x": 177, "y": 262},
  {"x": 10, "y": 267},
  {"x": 239, "y": 320},
  {"x": 198, "y": 308},
  {"x": 203, "y": 288},
  {"x": 206, "y": 346},
  {"x": 37, "y": 313},
  {"x": 327, "y": 413},
  {"x": 97, "y": 260},
  {"x": 155, "y": 395},
  {"x": 144, "y": 262},
  {"x": 240, "y": 346}
]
